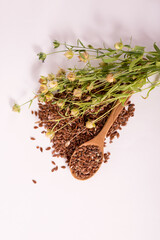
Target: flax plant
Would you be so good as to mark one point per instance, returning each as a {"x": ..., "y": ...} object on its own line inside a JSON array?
[{"x": 120, "y": 72}]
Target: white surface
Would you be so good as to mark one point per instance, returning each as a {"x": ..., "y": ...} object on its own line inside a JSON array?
[{"x": 122, "y": 200}]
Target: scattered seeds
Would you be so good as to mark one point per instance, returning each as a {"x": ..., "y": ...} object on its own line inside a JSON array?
[
  {"x": 48, "y": 148},
  {"x": 54, "y": 169},
  {"x": 41, "y": 149},
  {"x": 43, "y": 132},
  {"x": 32, "y": 138}
]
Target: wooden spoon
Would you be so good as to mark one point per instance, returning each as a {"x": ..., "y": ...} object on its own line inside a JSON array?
[{"x": 99, "y": 139}]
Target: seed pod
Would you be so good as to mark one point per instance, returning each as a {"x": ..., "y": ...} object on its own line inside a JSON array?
[
  {"x": 41, "y": 98},
  {"x": 53, "y": 84},
  {"x": 51, "y": 77},
  {"x": 71, "y": 76},
  {"x": 43, "y": 89},
  {"x": 90, "y": 124},
  {"x": 110, "y": 78},
  {"x": 74, "y": 112},
  {"x": 61, "y": 73},
  {"x": 77, "y": 92},
  {"x": 118, "y": 45},
  {"x": 43, "y": 80},
  {"x": 69, "y": 54},
  {"x": 49, "y": 96},
  {"x": 87, "y": 98},
  {"x": 61, "y": 103},
  {"x": 83, "y": 57}
]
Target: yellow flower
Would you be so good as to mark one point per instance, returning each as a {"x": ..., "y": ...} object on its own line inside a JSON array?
[
  {"x": 90, "y": 124},
  {"x": 43, "y": 89},
  {"x": 69, "y": 54},
  {"x": 74, "y": 112},
  {"x": 49, "y": 96},
  {"x": 77, "y": 92},
  {"x": 83, "y": 57},
  {"x": 53, "y": 84},
  {"x": 16, "y": 108},
  {"x": 71, "y": 76},
  {"x": 118, "y": 45},
  {"x": 110, "y": 78}
]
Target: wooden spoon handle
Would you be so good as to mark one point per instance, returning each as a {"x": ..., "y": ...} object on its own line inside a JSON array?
[{"x": 113, "y": 116}]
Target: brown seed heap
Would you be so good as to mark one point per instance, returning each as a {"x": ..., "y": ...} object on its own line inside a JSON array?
[
  {"x": 75, "y": 133},
  {"x": 86, "y": 161}
]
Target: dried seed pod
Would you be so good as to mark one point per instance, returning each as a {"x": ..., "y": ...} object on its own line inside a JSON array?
[
  {"x": 84, "y": 56},
  {"x": 74, "y": 112},
  {"x": 110, "y": 78},
  {"x": 43, "y": 89},
  {"x": 90, "y": 124},
  {"x": 77, "y": 92},
  {"x": 49, "y": 96},
  {"x": 71, "y": 76},
  {"x": 50, "y": 77},
  {"x": 53, "y": 84}
]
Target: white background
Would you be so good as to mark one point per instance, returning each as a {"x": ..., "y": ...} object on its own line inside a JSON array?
[{"x": 122, "y": 201}]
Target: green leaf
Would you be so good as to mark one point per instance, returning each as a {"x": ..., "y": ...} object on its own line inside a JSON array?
[
  {"x": 134, "y": 62},
  {"x": 149, "y": 92},
  {"x": 109, "y": 60},
  {"x": 128, "y": 46},
  {"x": 110, "y": 53},
  {"x": 156, "y": 48},
  {"x": 157, "y": 64},
  {"x": 82, "y": 56},
  {"x": 79, "y": 42},
  {"x": 139, "y": 48}
]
